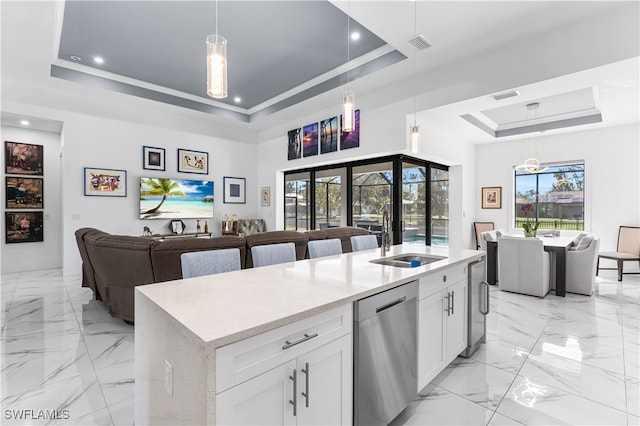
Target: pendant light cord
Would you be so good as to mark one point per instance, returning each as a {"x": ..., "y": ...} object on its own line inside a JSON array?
[
  {"x": 216, "y": 20},
  {"x": 348, "y": 44},
  {"x": 415, "y": 65}
]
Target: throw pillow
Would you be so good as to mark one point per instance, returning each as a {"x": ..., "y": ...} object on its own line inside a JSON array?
[
  {"x": 585, "y": 242},
  {"x": 576, "y": 240}
]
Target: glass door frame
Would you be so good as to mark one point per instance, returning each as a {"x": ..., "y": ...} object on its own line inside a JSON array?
[{"x": 396, "y": 188}]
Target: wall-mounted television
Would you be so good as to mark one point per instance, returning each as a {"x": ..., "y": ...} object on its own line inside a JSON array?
[{"x": 162, "y": 198}]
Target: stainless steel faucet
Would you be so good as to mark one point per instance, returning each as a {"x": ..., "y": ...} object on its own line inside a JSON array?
[{"x": 385, "y": 243}]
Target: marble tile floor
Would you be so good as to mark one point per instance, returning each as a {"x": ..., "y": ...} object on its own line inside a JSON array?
[{"x": 551, "y": 361}]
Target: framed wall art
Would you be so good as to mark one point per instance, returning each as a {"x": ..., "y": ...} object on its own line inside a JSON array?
[
  {"x": 105, "y": 182},
  {"x": 24, "y": 193},
  {"x": 193, "y": 161},
  {"x": 492, "y": 197},
  {"x": 153, "y": 158},
  {"x": 265, "y": 196},
  {"x": 234, "y": 190},
  {"x": 350, "y": 139},
  {"x": 24, "y": 227},
  {"x": 310, "y": 140},
  {"x": 294, "y": 144},
  {"x": 329, "y": 135},
  {"x": 23, "y": 158}
]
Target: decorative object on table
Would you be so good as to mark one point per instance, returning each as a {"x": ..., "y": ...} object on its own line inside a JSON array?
[
  {"x": 329, "y": 135},
  {"x": 206, "y": 227},
  {"x": 24, "y": 193},
  {"x": 162, "y": 198},
  {"x": 295, "y": 144},
  {"x": 23, "y": 158},
  {"x": 265, "y": 196},
  {"x": 177, "y": 226},
  {"x": 492, "y": 197},
  {"x": 146, "y": 232},
  {"x": 153, "y": 158},
  {"x": 105, "y": 182},
  {"x": 197, "y": 225},
  {"x": 310, "y": 140},
  {"x": 190, "y": 161},
  {"x": 230, "y": 224},
  {"x": 234, "y": 190},
  {"x": 530, "y": 229},
  {"x": 350, "y": 139},
  {"x": 24, "y": 227}
]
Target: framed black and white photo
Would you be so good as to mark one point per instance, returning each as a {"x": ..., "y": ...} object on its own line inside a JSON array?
[
  {"x": 153, "y": 158},
  {"x": 193, "y": 161},
  {"x": 234, "y": 190}
]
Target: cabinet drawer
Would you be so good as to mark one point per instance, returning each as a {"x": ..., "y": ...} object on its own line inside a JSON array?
[
  {"x": 437, "y": 280},
  {"x": 240, "y": 361}
]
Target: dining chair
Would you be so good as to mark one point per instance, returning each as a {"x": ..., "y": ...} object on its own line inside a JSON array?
[
  {"x": 523, "y": 266},
  {"x": 628, "y": 249},
  {"x": 321, "y": 248},
  {"x": 208, "y": 262},
  {"x": 581, "y": 266},
  {"x": 479, "y": 228},
  {"x": 271, "y": 254},
  {"x": 364, "y": 242}
]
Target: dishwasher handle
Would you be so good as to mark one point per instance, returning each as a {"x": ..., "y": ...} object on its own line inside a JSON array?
[{"x": 390, "y": 305}]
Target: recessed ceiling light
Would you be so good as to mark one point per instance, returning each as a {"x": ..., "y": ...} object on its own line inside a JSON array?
[
  {"x": 237, "y": 99},
  {"x": 355, "y": 36},
  {"x": 24, "y": 122},
  {"x": 98, "y": 60}
]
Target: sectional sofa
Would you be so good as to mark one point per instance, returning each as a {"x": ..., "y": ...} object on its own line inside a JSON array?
[{"x": 112, "y": 265}]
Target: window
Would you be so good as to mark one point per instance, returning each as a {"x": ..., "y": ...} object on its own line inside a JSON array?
[
  {"x": 413, "y": 191},
  {"x": 556, "y": 197}
]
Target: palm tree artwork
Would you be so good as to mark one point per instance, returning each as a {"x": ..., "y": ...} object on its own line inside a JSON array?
[{"x": 161, "y": 187}]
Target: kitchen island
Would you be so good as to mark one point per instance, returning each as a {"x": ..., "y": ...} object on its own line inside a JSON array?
[{"x": 211, "y": 341}]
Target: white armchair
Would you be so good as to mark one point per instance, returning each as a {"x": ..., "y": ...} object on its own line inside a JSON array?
[
  {"x": 581, "y": 266},
  {"x": 523, "y": 266}
]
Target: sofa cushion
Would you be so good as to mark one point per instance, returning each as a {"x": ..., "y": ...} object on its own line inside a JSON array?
[
  {"x": 344, "y": 233},
  {"x": 165, "y": 255},
  {"x": 300, "y": 240}
]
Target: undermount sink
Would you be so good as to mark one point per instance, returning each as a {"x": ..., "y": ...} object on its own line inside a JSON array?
[{"x": 410, "y": 260}]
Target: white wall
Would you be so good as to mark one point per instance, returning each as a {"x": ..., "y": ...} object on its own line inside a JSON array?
[
  {"x": 612, "y": 179},
  {"x": 45, "y": 254}
]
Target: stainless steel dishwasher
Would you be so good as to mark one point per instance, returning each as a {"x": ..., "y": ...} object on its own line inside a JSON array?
[{"x": 385, "y": 352}]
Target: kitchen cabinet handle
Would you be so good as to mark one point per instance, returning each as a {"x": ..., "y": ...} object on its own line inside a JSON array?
[
  {"x": 448, "y": 308},
  {"x": 453, "y": 295},
  {"x": 295, "y": 392},
  {"x": 390, "y": 305},
  {"x": 487, "y": 305},
  {"x": 306, "y": 337},
  {"x": 305, "y": 370}
]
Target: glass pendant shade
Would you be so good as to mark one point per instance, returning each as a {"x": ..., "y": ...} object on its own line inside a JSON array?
[
  {"x": 216, "y": 66},
  {"x": 348, "y": 111},
  {"x": 415, "y": 138}
]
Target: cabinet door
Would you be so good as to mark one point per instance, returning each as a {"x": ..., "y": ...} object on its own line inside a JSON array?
[
  {"x": 456, "y": 321},
  {"x": 325, "y": 384},
  {"x": 263, "y": 399},
  {"x": 430, "y": 338}
]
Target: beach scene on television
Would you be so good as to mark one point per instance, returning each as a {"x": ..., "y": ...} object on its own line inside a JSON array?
[{"x": 162, "y": 198}]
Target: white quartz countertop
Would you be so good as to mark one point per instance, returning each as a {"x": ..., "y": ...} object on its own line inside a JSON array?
[{"x": 224, "y": 308}]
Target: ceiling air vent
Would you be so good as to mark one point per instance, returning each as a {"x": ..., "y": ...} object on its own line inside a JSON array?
[
  {"x": 505, "y": 95},
  {"x": 419, "y": 42}
]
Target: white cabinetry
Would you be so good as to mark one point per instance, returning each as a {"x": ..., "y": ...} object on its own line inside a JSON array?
[
  {"x": 297, "y": 374},
  {"x": 442, "y": 321}
]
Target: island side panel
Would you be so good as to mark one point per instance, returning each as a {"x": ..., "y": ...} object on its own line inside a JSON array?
[{"x": 160, "y": 338}]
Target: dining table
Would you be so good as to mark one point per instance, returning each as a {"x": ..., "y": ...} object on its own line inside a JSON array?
[{"x": 557, "y": 246}]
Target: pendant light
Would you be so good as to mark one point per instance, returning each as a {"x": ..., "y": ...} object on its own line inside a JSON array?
[
  {"x": 217, "y": 64},
  {"x": 414, "y": 130},
  {"x": 532, "y": 165},
  {"x": 348, "y": 97}
]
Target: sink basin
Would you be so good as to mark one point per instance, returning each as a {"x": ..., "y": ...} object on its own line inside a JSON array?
[{"x": 410, "y": 260}]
